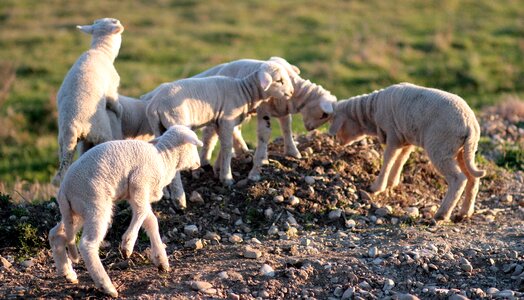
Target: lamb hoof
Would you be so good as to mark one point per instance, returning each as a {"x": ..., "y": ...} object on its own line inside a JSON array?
[
  {"x": 228, "y": 182},
  {"x": 294, "y": 153},
  {"x": 110, "y": 290},
  {"x": 461, "y": 218},
  {"x": 440, "y": 218},
  {"x": 180, "y": 202},
  {"x": 164, "y": 268},
  {"x": 71, "y": 278},
  {"x": 254, "y": 177}
]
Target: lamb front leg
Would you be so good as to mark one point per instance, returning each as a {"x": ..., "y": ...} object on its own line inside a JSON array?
[
  {"x": 176, "y": 192},
  {"x": 139, "y": 215},
  {"x": 263, "y": 135},
  {"x": 290, "y": 148},
  {"x": 209, "y": 139},
  {"x": 225, "y": 133},
  {"x": 390, "y": 157},
  {"x": 239, "y": 144},
  {"x": 158, "y": 250}
]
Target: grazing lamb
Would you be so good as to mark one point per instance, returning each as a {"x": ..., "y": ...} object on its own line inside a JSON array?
[
  {"x": 133, "y": 123},
  {"x": 224, "y": 101},
  {"x": 88, "y": 89},
  {"x": 116, "y": 170},
  {"x": 311, "y": 100},
  {"x": 404, "y": 115}
]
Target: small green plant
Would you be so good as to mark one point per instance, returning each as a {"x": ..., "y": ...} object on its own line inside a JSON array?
[
  {"x": 29, "y": 239},
  {"x": 5, "y": 199},
  {"x": 512, "y": 157}
]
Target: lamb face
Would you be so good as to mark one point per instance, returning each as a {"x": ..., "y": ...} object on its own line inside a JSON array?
[
  {"x": 275, "y": 81},
  {"x": 346, "y": 129},
  {"x": 316, "y": 113},
  {"x": 105, "y": 26}
]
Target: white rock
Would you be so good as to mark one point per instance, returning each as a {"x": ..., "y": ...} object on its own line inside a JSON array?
[
  {"x": 200, "y": 285},
  {"x": 253, "y": 253},
  {"x": 351, "y": 223},
  {"x": 191, "y": 230},
  {"x": 348, "y": 293},
  {"x": 364, "y": 285},
  {"x": 506, "y": 294},
  {"x": 388, "y": 284},
  {"x": 196, "y": 198},
  {"x": 236, "y": 238},
  {"x": 195, "y": 244},
  {"x": 27, "y": 263},
  {"x": 293, "y": 200},
  {"x": 255, "y": 241},
  {"x": 268, "y": 213},
  {"x": 335, "y": 214},
  {"x": 373, "y": 252},
  {"x": 267, "y": 270},
  {"x": 223, "y": 275},
  {"x": 273, "y": 230},
  {"x": 492, "y": 291},
  {"x": 5, "y": 263},
  {"x": 278, "y": 199},
  {"x": 309, "y": 180},
  {"x": 412, "y": 212}
]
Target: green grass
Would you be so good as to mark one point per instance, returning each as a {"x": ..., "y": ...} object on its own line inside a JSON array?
[{"x": 472, "y": 48}]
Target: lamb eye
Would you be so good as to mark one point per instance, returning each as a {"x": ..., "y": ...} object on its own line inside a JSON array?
[
  {"x": 281, "y": 81},
  {"x": 324, "y": 115}
]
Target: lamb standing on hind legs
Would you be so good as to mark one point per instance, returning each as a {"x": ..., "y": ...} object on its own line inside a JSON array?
[
  {"x": 88, "y": 89},
  {"x": 112, "y": 171},
  {"x": 403, "y": 115}
]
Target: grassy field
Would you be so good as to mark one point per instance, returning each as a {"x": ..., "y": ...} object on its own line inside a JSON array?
[{"x": 474, "y": 48}]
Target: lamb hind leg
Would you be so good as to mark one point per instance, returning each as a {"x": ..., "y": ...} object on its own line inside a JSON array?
[
  {"x": 471, "y": 190},
  {"x": 290, "y": 148},
  {"x": 448, "y": 166},
  {"x": 209, "y": 138},
  {"x": 141, "y": 209},
  {"x": 263, "y": 135},
  {"x": 225, "y": 133},
  {"x": 67, "y": 142},
  {"x": 176, "y": 192},
  {"x": 57, "y": 240},
  {"x": 390, "y": 157},
  {"x": 158, "y": 251}
]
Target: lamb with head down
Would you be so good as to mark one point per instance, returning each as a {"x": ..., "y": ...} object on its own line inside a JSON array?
[
  {"x": 88, "y": 89},
  {"x": 112, "y": 171},
  {"x": 311, "y": 100},
  {"x": 404, "y": 115},
  {"x": 224, "y": 101}
]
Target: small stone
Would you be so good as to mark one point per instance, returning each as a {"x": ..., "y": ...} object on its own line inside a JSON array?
[
  {"x": 233, "y": 296},
  {"x": 273, "y": 230},
  {"x": 200, "y": 285},
  {"x": 335, "y": 214},
  {"x": 195, "y": 244},
  {"x": 236, "y": 238},
  {"x": 492, "y": 291},
  {"x": 384, "y": 211},
  {"x": 239, "y": 222},
  {"x": 267, "y": 270},
  {"x": 412, "y": 212},
  {"x": 338, "y": 291},
  {"x": 407, "y": 297},
  {"x": 292, "y": 221},
  {"x": 211, "y": 236},
  {"x": 309, "y": 180},
  {"x": 27, "y": 263},
  {"x": 293, "y": 200},
  {"x": 373, "y": 252},
  {"x": 305, "y": 241},
  {"x": 506, "y": 199},
  {"x": 268, "y": 213},
  {"x": 388, "y": 284},
  {"x": 465, "y": 265},
  {"x": 255, "y": 241},
  {"x": 196, "y": 198},
  {"x": 506, "y": 294},
  {"x": 351, "y": 223},
  {"x": 518, "y": 270},
  {"x": 250, "y": 252},
  {"x": 242, "y": 183},
  {"x": 458, "y": 297},
  {"x": 223, "y": 275},
  {"x": 348, "y": 293},
  {"x": 5, "y": 263},
  {"x": 364, "y": 285},
  {"x": 191, "y": 230},
  {"x": 278, "y": 199},
  {"x": 292, "y": 232},
  {"x": 263, "y": 294},
  {"x": 394, "y": 221}
]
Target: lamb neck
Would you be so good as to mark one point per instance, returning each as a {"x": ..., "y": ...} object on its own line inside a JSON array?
[
  {"x": 250, "y": 90},
  {"x": 362, "y": 110},
  {"x": 109, "y": 44},
  {"x": 305, "y": 91}
]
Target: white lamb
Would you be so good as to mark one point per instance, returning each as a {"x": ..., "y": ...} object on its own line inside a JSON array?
[
  {"x": 88, "y": 88},
  {"x": 404, "y": 115},
  {"x": 224, "y": 101},
  {"x": 311, "y": 100},
  {"x": 116, "y": 170},
  {"x": 133, "y": 123}
]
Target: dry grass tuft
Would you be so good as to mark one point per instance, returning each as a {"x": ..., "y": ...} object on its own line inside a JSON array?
[{"x": 22, "y": 191}]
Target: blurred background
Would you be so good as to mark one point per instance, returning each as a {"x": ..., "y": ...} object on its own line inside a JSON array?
[{"x": 473, "y": 48}]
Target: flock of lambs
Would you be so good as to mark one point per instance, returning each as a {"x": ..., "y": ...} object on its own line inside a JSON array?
[{"x": 132, "y": 149}]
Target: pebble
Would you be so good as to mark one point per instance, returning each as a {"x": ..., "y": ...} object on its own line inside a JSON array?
[
  {"x": 309, "y": 180},
  {"x": 293, "y": 200},
  {"x": 211, "y": 236},
  {"x": 203, "y": 286},
  {"x": 191, "y": 230},
  {"x": 195, "y": 244},
  {"x": 407, "y": 297},
  {"x": 388, "y": 284},
  {"x": 457, "y": 297},
  {"x": 373, "y": 252},
  {"x": 492, "y": 291},
  {"x": 223, "y": 275},
  {"x": 348, "y": 293},
  {"x": 412, "y": 212},
  {"x": 305, "y": 241},
  {"x": 5, "y": 263},
  {"x": 267, "y": 270},
  {"x": 384, "y": 211},
  {"x": 338, "y": 291},
  {"x": 465, "y": 265},
  {"x": 506, "y": 199},
  {"x": 351, "y": 223},
  {"x": 196, "y": 198},
  {"x": 236, "y": 238},
  {"x": 27, "y": 263},
  {"x": 242, "y": 183},
  {"x": 255, "y": 241},
  {"x": 233, "y": 296},
  {"x": 273, "y": 230},
  {"x": 268, "y": 213},
  {"x": 364, "y": 285},
  {"x": 505, "y": 294},
  {"x": 263, "y": 294},
  {"x": 278, "y": 199},
  {"x": 518, "y": 270},
  {"x": 335, "y": 214},
  {"x": 250, "y": 252}
]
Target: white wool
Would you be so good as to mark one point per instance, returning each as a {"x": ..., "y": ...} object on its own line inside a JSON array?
[
  {"x": 133, "y": 123},
  {"x": 88, "y": 89},
  {"x": 112, "y": 171},
  {"x": 404, "y": 115}
]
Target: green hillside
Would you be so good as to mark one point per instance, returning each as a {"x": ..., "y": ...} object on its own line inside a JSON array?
[{"x": 473, "y": 48}]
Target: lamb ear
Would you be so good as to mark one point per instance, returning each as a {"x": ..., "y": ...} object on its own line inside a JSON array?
[
  {"x": 265, "y": 80},
  {"x": 154, "y": 141},
  {"x": 335, "y": 126},
  {"x": 295, "y": 68},
  {"x": 191, "y": 138},
  {"x": 326, "y": 107},
  {"x": 86, "y": 28}
]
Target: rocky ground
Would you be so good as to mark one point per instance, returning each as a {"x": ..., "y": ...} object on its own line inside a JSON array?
[{"x": 307, "y": 230}]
